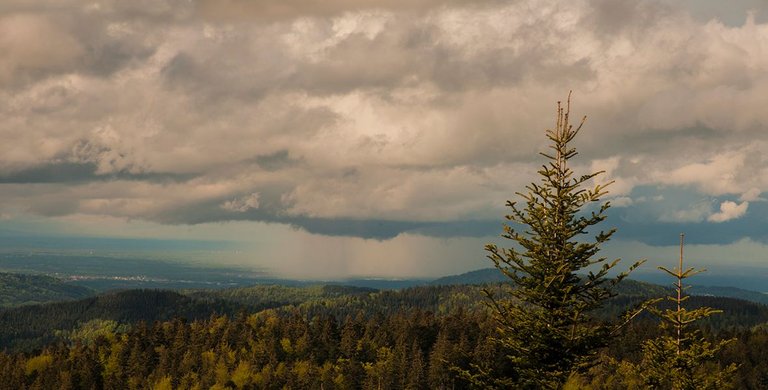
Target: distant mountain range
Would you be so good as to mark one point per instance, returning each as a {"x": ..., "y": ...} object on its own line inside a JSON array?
[
  {"x": 31, "y": 326},
  {"x": 492, "y": 275},
  {"x": 21, "y": 289},
  {"x": 480, "y": 276},
  {"x": 730, "y": 292}
]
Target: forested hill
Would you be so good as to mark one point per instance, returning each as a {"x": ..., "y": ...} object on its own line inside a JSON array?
[
  {"x": 731, "y": 292},
  {"x": 302, "y": 337},
  {"x": 30, "y": 327},
  {"x": 20, "y": 289},
  {"x": 480, "y": 276},
  {"x": 492, "y": 275}
]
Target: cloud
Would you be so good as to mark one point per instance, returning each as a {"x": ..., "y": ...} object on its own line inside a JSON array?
[
  {"x": 371, "y": 118},
  {"x": 71, "y": 172},
  {"x": 732, "y": 14},
  {"x": 286, "y": 9},
  {"x": 242, "y": 204},
  {"x": 728, "y": 211},
  {"x": 622, "y": 201},
  {"x": 275, "y": 161},
  {"x": 696, "y": 212},
  {"x": 752, "y": 195},
  {"x": 34, "y": 45}
]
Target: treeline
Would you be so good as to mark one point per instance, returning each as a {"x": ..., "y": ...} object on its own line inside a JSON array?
[
  {"x": 32, "y": 327},
  {"x": 275, "y": 349},
  {"x": 342, "y": 301},
  {"x": 270, "y": 349}
]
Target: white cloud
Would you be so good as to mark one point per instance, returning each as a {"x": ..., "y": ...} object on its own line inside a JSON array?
[
  {"x": 242, "y": 204},
  {"x": 622, "y": 201},
  {"x": 696, "y": 212},
  {"x": 728, "y": 211},
  {"x": 752, "y": 195}
]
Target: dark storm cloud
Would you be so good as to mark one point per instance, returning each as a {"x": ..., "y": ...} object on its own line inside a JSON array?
[
  {"x": 276, "y": 161},
  {"x": 751, "y": 226},
  {"x": 270, "y": 211},
  {"x": 383, "y": 229},
  {"x": 373, "y": 229},
  {"x": 368, "y": 228},
  {"x": 68, "y": 172},
  {"x": 51, "y": 173}
]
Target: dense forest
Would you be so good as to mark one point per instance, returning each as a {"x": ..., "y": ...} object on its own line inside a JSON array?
[{"x": 317, "y": 337}]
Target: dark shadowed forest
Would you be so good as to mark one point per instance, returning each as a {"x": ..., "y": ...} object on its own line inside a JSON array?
[{"x": 318, "y": 337}]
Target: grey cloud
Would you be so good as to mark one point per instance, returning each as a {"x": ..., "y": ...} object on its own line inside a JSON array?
[
  {"x": 53, "y": 207},
  {"x": 626, "y": 17},
  {"x": 34, "y": 47},
  {"x": 409, "y": 50},
  {"x": 278, "y": 160},
  {"x": 365, "y": 118},
  {"x": 700, "y": 140},
  {"x": 386, "y": 229},
  {"x": 378, "y": 229},
  {"x": 406, "y": 51},
  {"x": 69, "y": 172},
  {"x": 158, "y": 12},
  {"x": 216, "y": 78},
  {"x": 468, "y": 228},
  {"x": 375, "y": 229},
  {"x": 106, "y": 58},
  {"x": 45, "y": 40},
  {"x": 270, "y": 208},
  {"x": 51, "y": 173},
  {"x": 268, "y": 10},
  {"x": 696, "y": 233},
  {"x": 731, "y": 13},
  {"x": 359, "y": 62},
  {"x": 111, "y": 45}
]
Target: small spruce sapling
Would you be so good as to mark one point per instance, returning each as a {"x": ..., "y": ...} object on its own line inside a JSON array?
[{"x": 682, "y": 359}]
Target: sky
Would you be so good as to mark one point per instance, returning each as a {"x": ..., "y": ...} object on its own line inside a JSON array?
[{"x": 381, "y": 137}]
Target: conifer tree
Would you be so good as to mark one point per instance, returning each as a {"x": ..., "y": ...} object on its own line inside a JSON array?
[
  {"x": 682, "y": 359},
  {"x": 557, "y": 280}
]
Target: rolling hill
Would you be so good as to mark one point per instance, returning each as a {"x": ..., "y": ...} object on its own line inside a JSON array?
[
  {"x": 492, "y": 275},
  {"x": 21, "y": 289}
]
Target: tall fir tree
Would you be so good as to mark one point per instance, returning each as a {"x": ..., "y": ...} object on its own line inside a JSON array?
[
  {"x": 682, "y": 359},
  {"x": 557, "y": 281}
]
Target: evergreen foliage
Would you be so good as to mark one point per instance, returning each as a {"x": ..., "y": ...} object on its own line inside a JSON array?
[
  {"x": 682, "y": 359},
  {"x": 544, "y": 318},
  {"x": 392, "y": 340}
]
